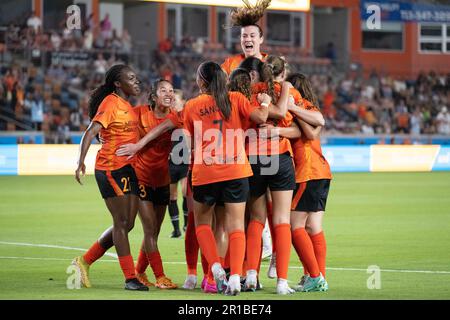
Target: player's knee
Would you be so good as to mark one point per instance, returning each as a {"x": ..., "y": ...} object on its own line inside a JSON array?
[{"x": 313, "y": 228}]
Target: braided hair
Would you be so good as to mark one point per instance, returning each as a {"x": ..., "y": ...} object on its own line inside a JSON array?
[
  {"x": 100, "y": 93},
  {"x": 240, "y": 81},
  {"x": 272, "y": 68}
]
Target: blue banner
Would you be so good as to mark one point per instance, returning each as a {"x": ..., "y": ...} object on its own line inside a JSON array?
[
  {"x": 348, "y": 159},
  {"x": 405, "y": 11},
  {"x": 8, "y": 160},
  {"x": 442, "y": 162}
]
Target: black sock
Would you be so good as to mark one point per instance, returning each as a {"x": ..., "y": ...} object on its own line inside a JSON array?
[
  {"x": 174, "y": 215},
  {"x": 185, "y": 211}
]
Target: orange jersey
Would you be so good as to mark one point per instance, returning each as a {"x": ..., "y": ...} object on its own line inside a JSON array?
[
  {"x": 310, "y": 164},
  {"x": 152, "y": 165},
  {"x": 120, "y": 126},
  {"x": 219, "y": 155},
  {"x": 233, "y": 62},
  {"x": 262, "y": 146}
]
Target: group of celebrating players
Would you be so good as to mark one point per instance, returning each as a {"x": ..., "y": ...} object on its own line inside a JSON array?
[{"x": 251, "y": 142}]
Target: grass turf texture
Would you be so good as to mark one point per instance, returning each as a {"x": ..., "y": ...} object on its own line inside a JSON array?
[{"x": 396, "y": 221}]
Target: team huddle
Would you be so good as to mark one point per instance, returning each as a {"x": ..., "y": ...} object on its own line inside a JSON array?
[{"x": 250, "y": 145}]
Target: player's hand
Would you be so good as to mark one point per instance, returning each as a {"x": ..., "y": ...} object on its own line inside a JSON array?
[
  {"x": 264, "y": 98},
  {"x": 129, "y": 150},
  {"x": 81, "y": 171}
]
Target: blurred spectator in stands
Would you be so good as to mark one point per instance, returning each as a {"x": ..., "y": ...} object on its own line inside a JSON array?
[
  {"x": 88, "y": 40},
  {"x": 106, "y": 27},
  {"x": 165, "y": 46},
  {"x": 90, "y": 23},
  {"x": 56, "y": 40},
  {"x": 367, "y": 129},
  {"x": 416, "y": 122},
  {"x": 35, "y": 104},
  {"x": 443, "y": 122},
  {"x": 9, "y": 81},
  {"x": 198, "y": 46},
  {"x": 402, "y": 121},
  {"x": 100, "y": 64},
  {"x": 126, "y": 42},
  {"x": 34, "y": 22}
]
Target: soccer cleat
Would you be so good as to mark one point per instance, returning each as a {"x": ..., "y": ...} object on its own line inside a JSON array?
[
  {"x": 234, "y": 285},
  {"x": 165, "y": 283},
  {"x": 220, "y": 277},
  {"x": 210, "y": 287},
  {"x": 299, "y": 287},
  {"x": 83, "y": 267},
  {"x": 283, "y": 287},
  {"x": 272, "y": 271},
  {"x": 251, "y": 281},
  {"x": 135, "y": 285},
  {"x": 142, "y": 277},
  {"x": 190, "y": 283},
  {"x": 266, "y": 253},
  {"x": 176, "y": 234},
  {"x": 315, "y": 284}
]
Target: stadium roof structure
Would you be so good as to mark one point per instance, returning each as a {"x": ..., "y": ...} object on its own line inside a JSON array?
[{"x": 289, "y": 5}]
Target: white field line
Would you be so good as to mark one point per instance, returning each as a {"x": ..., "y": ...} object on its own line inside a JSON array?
[
  {"x": 181, "y": 263},
  {"x": 51, "y": 246}
]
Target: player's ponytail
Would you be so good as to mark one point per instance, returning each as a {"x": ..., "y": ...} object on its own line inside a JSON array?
[
  {"x": 215, "y": 80},
  {"x": 97, "y": 96},
  {"x": 271, "y": 69},
  {"x": 240, "y": 81},
  {"x": 303, "y": 85}
]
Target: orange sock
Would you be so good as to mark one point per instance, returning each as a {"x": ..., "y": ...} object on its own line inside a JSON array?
[
  {"x": 305, "y": 269},
  {"x": 191, "y": 245},
  {"x": 127, "y": 265},
  {"x": 305, "y": 251},
  {"x": 95, "y": 252},
  {"x": 237, "y": 251},
  {"x": 207, "y": 242},
  {"x": 155, "y": 261},
  {"x": 142, "y": 263},
  {"x": 283, "y": 244},
  {"x": 205, "y": 265},
  {"x": 320, "y": 250},
  {"x": 254, "y": 240},
  {"x": 259, "y": 262},
  {"x": 270, "y": 221}
]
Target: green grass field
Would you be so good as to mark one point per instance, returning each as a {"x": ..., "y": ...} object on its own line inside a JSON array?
[{"x": 399, "y": 222}]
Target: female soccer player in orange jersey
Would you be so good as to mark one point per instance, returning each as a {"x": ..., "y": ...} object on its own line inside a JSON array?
[
  {"x": 114, "y": 119},
  {"x": 220, "y": 170},
  {"x": 152, "y": 170},
  {"x": 272, "y": 168},
  {"x": 313, "y": 176},
  {"x": 252, "y": 37}
]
